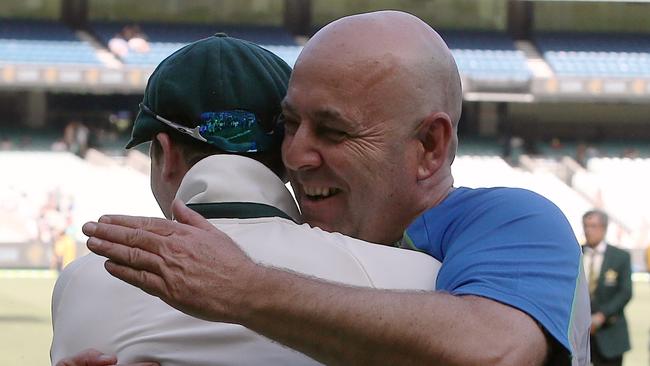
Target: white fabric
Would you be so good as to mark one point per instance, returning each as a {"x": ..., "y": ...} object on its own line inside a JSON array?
[
  {"x": 92, "y": 309},
  {"x": 595, "y": 255}
]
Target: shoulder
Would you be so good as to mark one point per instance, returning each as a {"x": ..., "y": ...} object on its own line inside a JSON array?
[
  {"x": 331, "y": 256},
  {"x": 505, "y": 208},
  {"x": 621, "y": 253},
  {"x": 467, "y": 200},
  {"x": 74, "y": 269},
  {"x": 82, "y": 271},
  {"x": 487, "y": 215},
  {"x": 517, "y": 197}
]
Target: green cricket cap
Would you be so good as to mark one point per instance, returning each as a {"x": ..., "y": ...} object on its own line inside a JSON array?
[{"x": 225, "y": 91}]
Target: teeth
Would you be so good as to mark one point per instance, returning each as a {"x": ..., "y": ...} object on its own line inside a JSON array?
[{"x": 319, "y": 191}]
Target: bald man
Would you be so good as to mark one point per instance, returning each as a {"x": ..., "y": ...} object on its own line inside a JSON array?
[{"x": 370, "y": 115}]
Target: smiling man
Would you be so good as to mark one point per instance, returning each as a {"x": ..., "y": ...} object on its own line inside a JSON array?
[
  {"x": 370, "y": 119},
  {"x": 371, "y": 114}
]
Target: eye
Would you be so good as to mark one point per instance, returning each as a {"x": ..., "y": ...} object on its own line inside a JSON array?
[
  {"x": 332, "y": 134},
  {"x": 290, "y": 125}
]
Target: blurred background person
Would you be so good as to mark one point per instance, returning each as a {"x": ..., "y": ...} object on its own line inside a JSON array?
[{"x": 608, "y": 272}]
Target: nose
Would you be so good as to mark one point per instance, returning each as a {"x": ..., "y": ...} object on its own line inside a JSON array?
[{"x": 300, "y": 150}]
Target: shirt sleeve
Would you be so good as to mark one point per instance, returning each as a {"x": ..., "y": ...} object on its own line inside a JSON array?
[{"x": 516, "y": 248}]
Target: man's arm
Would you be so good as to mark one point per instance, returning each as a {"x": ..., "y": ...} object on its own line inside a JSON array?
[
  {"x": 200, "y": 271},
  {"x": 346, "y": 325}
]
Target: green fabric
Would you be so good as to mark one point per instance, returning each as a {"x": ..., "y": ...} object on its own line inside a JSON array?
[
  {"x": 613, "y": 292},
  {"x": 214, "y": 74},
  {"x": 407, "y": 243},
  {"x": 237, "y": 210}
]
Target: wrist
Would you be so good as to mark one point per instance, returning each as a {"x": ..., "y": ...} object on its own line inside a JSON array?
[{"x": 256, "y": 289}]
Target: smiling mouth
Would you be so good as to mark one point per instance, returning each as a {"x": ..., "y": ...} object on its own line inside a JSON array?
[{"x": 320, "y": 193}]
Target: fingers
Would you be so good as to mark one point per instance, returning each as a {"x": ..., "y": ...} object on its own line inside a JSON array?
[
  {"x": 124, "y": 235},
  {"x": 133, "y": 257},
  {"x": 155, "y": 225},
  {"x": 140, "y": 364},
  {"x": 89, "y": 357},
  {"x": 185, "y": 215},
  {"x": 149, "y": 282}
]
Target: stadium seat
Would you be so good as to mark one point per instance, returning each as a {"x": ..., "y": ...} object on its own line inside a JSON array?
[
  {"x": 164, "y": 39},
  {"x": 42, "y": 42},
  {"x": 596, "y": 55},
  {"x": 487, "y": 55}
]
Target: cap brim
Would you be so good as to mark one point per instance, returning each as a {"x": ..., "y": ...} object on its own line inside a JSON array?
[{"x": 145, "y": 128}]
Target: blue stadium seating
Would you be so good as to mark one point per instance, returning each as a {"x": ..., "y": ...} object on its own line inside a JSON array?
[
  {"x": 164, "y": 39},
  {"x": 44, "y": 42},
  {"x": 596, "y": 55},
  {"x": 487, "y": 55}
]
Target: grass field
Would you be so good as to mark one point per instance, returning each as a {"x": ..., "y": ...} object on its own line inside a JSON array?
[
  {"x": 25, "y": 326},
  {"x": 25, "y": 330}
]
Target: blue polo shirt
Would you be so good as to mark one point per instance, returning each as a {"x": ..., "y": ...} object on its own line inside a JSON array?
[{"x": 510, "y": 245}]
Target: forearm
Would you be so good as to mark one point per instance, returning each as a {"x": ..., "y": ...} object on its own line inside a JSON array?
[{"x": 347, "y": 325}]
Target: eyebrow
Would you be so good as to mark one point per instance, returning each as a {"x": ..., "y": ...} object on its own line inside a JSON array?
[
  {"x": 333, "y": 118},
  {"x": 325, "y": 115}
]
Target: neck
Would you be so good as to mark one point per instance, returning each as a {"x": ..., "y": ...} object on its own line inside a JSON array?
[
  {"x": 429, "y": 195},
  {"x": 434, "y": 192}
]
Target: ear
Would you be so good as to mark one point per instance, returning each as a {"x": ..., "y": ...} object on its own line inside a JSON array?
[
  {"x": 171, "y": 158},
  {"x": 435, "y": 137}
]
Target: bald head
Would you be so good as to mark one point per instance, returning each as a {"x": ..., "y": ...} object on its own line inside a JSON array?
[
  {"x": 394, "y": 48},
  {"x": 370, "y": 117}
]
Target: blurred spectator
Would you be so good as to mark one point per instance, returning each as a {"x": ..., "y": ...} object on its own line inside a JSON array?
[
  {"x": 6, "y": 144},
  {"x": 630, "y": 153},
  {"x": 137, "y": 40},
  {"x": 130, "y": 38},
  {"x": 121, "y": 121},
  {"x": 64, "y": 251},
  {"x": 584, "y": 152},
  {"x": 581, "y": 154},
  {"x": 591, "y": 152},
  {"x": 118, "y": 45},
  {"x": 82, "y": 136},
  {"x": 54, "y": 225},
  {"x": 75, "y": 137},
  {"x": 609, "y": 274}
]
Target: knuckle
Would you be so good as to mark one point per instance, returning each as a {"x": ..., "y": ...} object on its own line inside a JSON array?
[
  {"x": 148, "y": 222},
  {"x": 134, "y": 256},
  {"x": 142, "y": 277},
  {"x": 134, "y": 236}
]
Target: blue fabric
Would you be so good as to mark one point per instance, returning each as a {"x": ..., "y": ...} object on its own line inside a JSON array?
[{"x": 510, "y": 245}]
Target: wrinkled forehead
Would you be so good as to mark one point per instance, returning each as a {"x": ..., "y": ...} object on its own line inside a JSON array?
[
  {"x": 347, "y": 71},
  {"x": 360, "y": 90}
]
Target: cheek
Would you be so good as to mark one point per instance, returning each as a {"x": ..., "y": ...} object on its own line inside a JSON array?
[{"x": 365, "y": 162}]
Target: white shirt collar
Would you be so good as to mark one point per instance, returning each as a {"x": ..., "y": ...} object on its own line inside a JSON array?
[
  {"x": 599, "y": 249},
  {"x": 233, "y": 178}
]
